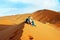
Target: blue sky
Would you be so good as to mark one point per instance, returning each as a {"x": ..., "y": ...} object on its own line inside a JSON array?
[{"x": 12, "y": 7}]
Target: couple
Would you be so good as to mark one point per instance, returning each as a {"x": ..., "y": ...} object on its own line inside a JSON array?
[{"x": 29, "y": 20}]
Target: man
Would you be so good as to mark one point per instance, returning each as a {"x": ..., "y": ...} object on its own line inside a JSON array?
[{"x": 29, "y": 20}]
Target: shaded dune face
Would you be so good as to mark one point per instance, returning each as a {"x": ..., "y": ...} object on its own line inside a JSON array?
[
  {"x": 11, "y": 32},
  {"x": 47, "y": 16}
]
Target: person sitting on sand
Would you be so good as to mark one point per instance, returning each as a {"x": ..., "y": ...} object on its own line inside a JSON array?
[{"x": 30, "y": 20}]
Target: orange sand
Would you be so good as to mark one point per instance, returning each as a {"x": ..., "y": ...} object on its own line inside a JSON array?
[{"x": 39, "y": 32}]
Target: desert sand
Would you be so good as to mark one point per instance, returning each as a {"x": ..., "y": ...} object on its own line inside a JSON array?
[{"x": 14, "y": 28}]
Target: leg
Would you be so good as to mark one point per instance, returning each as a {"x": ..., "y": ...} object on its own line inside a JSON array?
[
  {"x": 33, "y": 24},
  {"x": 27, "y": 21}
]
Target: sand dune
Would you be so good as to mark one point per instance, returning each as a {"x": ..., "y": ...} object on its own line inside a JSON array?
[
  {"x": 40, "y": 32},
  {"x": 11, "y": 32},
  {"x": 14, "y": 28},
  {"x": 47, "y": 16}
]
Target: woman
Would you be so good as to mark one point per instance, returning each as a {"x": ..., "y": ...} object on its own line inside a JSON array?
[{"x": 29, "y": 20}]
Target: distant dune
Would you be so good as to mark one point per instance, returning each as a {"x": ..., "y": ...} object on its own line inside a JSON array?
[
  {"x": 47, "y": 16},
  {"x": 47, "y": 26}
]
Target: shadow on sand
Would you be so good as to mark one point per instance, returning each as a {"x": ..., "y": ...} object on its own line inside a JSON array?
[
  {"x": 14, "y": 30},
  {"x": 21, "y": 26}
]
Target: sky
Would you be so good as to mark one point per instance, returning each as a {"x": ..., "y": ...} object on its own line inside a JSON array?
[{"x": 12, "y": 7}]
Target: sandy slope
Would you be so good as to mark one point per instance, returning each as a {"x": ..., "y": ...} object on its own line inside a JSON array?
[
  {"x": 40, "y": 32},
  {"x": 47, "y": 16},
  {"x": 12, "y": 20}
]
